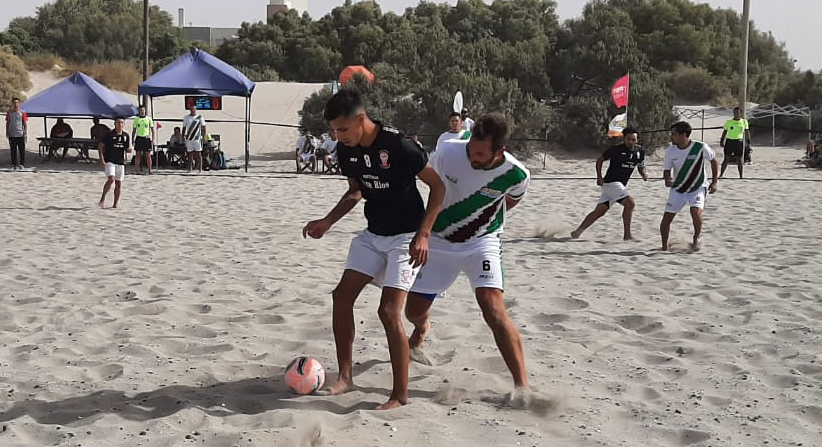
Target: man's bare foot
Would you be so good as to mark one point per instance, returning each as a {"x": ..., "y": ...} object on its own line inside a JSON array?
[
  {"x": 418, "y": 336},
  {"x": 101, "y": 205},
  {"x": 391, "y": 404},
  {"x": 697, "y": 245},
  {"x": 576, "y": 234},
  {"x": 628, "y": 237},
  {"x": 664, "y": 248},
  {"x": 338, "y": 387}
]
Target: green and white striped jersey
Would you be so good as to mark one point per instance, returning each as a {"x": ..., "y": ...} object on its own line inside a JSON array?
[{"x": 474, "y": 203}]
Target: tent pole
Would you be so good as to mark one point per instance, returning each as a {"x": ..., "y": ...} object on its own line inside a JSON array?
[
  {"x": 703, "y": 124},
  {"x": 247, "y": 130},
  {"x": 773, "y": 130}
]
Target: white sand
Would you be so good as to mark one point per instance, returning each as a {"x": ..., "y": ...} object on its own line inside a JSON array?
[{"x": 173, "y": 317}]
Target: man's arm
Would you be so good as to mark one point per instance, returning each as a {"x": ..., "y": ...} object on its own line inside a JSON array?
[
  {"x": 436, "y": 195},
  {"x": 600, "y": 161},
  {"x": 511, "y": 202},
  {"x": 101, "y": 149},
  {"x": 317, "y": 228},
  {"x": 153, "y": 137},
  {"x": 668, "y": 180},
  {"x": 722, "y": 138},
  {"x": 25, "y": 124},
  {"x": 748, "y": 137},
  {"x": 714, "y": 173}
]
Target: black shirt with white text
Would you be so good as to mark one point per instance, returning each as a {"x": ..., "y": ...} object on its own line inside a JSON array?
[
  {"x": 622, "y": 162},
  {"x": 116, "y": 146},
  {"x": 386, "y": 172}
]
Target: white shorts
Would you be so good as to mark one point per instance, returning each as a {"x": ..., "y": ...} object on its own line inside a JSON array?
[
  {"x": 194, "y": 146},
  {"x": 116, "y": 171},
  {"x": 306, "y": 157},
  {"x": 480, "y": 260},
  {"x": 383, "y": 258},
  {"x": 677, "y": 200},
  {"x": 612, "y": 192}
]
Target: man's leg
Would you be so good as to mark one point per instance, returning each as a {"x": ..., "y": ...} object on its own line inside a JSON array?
[
  {"x": 628, "y": 205},
  {"x": 665, "y": 228},
  {"x": 117, "y": 184},
  {"x": 342, "y": 322},
  {"x": 417, "y": 310},
  {"x": 138, "y": 159},
  {"x": 725, "y": 160},
  {"x": 506, "y": 336},
  {"x": 148, "y": 159},
  {"x": 106, "y": 188},
  {"x": 13, "y": 144},
  {"x": 190, "y": 160},
  {"x": 696, "y": 217},
  {"x": 199, "y": 156},
  {"x": 390, "y": 313},
  {"x": 21, "y": 150},
  {"x": 589, "y": 220},
  {"x": 739, "y": 162}
]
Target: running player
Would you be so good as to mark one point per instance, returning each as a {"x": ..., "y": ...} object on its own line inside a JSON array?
[{"x": 623, "y": 159}]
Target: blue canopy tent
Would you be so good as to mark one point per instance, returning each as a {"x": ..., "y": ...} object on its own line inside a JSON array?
[
  {"x": 199, "y": 73},
  {"x": 79, "y": 95}
]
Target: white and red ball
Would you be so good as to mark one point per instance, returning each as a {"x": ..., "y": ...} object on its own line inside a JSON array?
[{"x": 304, "y": 375}]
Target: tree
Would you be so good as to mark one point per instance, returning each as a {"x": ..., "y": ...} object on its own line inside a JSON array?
[{"x": 14, "y": 78}]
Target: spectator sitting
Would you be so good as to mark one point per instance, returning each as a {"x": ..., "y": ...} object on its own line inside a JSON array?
[
  {"x": 60, "y": 130},
  {"x": 813, "y": 153},
  {"x": 177, "y": 139},
  {"x": 98, "y": 131},
  {"x": 328, "y": 151},
  {"x": 306, "y": 146}
]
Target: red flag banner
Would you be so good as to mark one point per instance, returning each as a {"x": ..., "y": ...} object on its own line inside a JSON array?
[{"x": 620, "y": 91}]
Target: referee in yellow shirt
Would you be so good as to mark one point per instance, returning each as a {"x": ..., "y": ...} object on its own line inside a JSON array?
[
  {"x": 142, "y": 132},
  {"x": 734, "y": 138}
]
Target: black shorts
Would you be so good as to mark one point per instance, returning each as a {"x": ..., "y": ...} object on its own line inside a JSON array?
[
  {"x": 321, "y": 152},
  {"x": 142, "y": 144},
  {"x": 734, "y": 148}
]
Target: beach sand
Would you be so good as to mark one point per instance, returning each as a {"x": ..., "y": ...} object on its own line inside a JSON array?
[{"x": 168, "y": 322}]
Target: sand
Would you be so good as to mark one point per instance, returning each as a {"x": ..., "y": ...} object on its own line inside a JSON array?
[{"x": 168, "y": 322}]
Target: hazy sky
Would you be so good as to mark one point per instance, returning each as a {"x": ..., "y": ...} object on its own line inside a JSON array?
[{"x": 794, "y": 22}]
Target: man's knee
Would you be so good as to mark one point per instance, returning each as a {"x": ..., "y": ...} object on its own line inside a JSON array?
[
  {"x": 416, "y": 307},
  {"x": 493, "y": 307},
  {"x": 628, "y": 203}
]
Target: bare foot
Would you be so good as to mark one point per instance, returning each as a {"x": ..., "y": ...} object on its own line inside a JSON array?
[
  {"x": 697, "y": 245},
  {"x": 418, "y": 336},
  {"x": 101, "y": 205},
  {"x": 628, "y": 238},
  {"x": 338, "y": 387},
  {"x": 576, "y": 234},
  {"x": 664, "y": 248},
  {"x": 391, "y": 404}
]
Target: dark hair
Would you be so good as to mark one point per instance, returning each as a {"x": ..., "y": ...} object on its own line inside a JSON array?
[
  {"x": 344, "y": 104},
  {"x": 682, "y": 127},
  {"x": 494, "y": 126},
  {"x": 15, "y": 99},
  {"x": 119, "y": 118},
  {"x": 629, "y": 130},
  {"x": 453, "y": 114},
  {"x": 737, "y": 108}
]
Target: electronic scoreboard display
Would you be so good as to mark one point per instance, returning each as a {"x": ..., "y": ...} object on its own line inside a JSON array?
[{"x": 204, "y": 102}]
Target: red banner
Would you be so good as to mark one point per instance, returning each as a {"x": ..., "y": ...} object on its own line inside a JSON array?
[{"x": 620, "y": 91}]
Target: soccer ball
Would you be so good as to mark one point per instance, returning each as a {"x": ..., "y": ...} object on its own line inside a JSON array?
[{"x": 304, "y": 375}]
